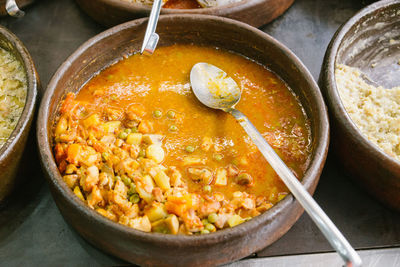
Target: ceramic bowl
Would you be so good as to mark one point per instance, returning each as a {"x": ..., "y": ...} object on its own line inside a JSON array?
[
  {"x": 253, "y": 12},
  {"x": 11, "y": 151},
  {"x": 171, "y": 250},
  {"x": 368, "y": 41}
]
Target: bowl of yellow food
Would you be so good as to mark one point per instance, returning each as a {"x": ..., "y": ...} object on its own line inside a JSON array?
[
  {"x": 18, "y": 83},
  {"x": 360, "y": 79},
  {"x": 253, "y": 12},
  {"x": 145, "y": 172}
]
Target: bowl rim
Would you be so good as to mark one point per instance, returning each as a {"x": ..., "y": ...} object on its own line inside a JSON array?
[
  {"x": 136, "y": 6},
  {"x": 330, "y": 81},
  {"x": 31, "y": 94},
  {"x": 54, "y": 177}
]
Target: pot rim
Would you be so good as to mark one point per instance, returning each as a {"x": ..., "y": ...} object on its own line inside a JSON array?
[
  {"x": 55, "y": 178},
  {"x": 227, "y": 8},
  {"x": 330, "y": 82}
]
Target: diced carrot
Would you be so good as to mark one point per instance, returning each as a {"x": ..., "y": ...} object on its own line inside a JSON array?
[
  {"x": 99, "y": 147},
  {"x": 73, "y": 153},
  {"x": 68, "y": 103},
  {"x": 145, "y": 127},
  {"x": 62, "y": 166},
  {"x": 59, "y": 153},
  {"x": 137, "y": 109}
]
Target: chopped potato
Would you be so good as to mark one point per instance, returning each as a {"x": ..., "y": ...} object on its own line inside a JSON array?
[
  {"x": 221, "y": 177},
  {"x": 134, "y": 139},
  {"x": 141, "y": 223},
  {"x": 155, "y": 152},
  {"x": 156, "y": 212},
  {"x": 92, "y": 120},
  {"x": 235, "y": 220},
  {"x": 111, "y": 126},
  {"x": 162, "y": 180}
]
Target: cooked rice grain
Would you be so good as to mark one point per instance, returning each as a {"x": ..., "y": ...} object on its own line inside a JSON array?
[{"x": 375, "y": 110}]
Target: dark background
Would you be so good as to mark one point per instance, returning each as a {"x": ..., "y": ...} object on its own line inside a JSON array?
[{"x": 32, "y": 231}]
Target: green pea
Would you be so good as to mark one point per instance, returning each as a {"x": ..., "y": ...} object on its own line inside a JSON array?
[
  {"x": 142, "y": 153},
  {"x": 105, "y": 156},
  {"x": 210, "y": 227},
  {"x": 204, "y": 221},
  {"x": 218, "y": 157},
  {"x": 171, "y": 114},
  {"x": 134, "y": 129},
  {"x": 132, "y": 189},
  {"x": 134, "y": 198},
  {"x": 173, "y": 128},
  {"x": 213, "y": 217},
  {"x": 127, "y": 130},
  {"x": 126, "y": 180},
  {"x": 207, "y": 188},
  {"x": 204, "y": 232},
  {"x": 157, "y": 113},
  {"x": 117, "y": 178},
  {"x": 123, "y": 135},
  {"x": 190, "y": 149}
]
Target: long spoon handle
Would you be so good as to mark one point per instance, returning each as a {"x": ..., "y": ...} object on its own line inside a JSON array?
[
  {"x": 151, "y": 37},
  {"x": 332, "y": 234}
]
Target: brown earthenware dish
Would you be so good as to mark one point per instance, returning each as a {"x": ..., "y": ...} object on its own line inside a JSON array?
[
  {"x": 364, "y": 42},
  {"x": 11, "y": 151},
  {"x": 20, "y": 3},
  {"x": 253, "y": 12},
  {"x": 171, "y": 250}
]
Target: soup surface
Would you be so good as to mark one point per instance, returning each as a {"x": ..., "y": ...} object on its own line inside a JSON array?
[
  {"x": 137, "y": 146},
  {"x": 187, "y": 4}
]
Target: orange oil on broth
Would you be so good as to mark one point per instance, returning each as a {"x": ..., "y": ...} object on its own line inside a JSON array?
[
  {"x": 161, "y": 82},
  {"x": 205, "y": 174}
]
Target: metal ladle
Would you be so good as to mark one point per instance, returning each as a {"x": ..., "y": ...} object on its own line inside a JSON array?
[
  {"x": 151, "y": 37},
  {"x": 215, "y": 89},
  {"x": 13, "y": 10}
]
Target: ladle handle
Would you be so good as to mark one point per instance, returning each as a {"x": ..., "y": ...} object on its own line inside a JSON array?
[
  {"x": 13, "y": 10},
  {"x": 151, "y": 37},
  {"x": 332, "y": 234}
]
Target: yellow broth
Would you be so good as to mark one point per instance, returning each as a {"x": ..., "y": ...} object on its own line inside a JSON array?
[{"x": 198, "y": 143}]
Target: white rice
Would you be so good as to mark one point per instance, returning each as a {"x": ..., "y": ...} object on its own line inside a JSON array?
[{"x": 375, "y": 110}]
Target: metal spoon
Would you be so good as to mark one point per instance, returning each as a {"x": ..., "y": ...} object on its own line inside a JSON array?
[
  {"x": 215, "y": 89},
  {"x": 13, "y": 10},
  {"x": 151, "y": 37}
]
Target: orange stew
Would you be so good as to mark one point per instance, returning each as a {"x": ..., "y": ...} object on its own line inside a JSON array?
[
  {"x": 181, "y": 4},
  {"x": 136, "y": 145}
]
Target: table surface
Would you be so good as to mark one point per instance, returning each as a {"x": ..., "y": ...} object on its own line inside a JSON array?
[{"x": 33, "y": 232}]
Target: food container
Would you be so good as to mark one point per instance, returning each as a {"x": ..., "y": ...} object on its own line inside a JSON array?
[
  {"x": 171, "y": 250},
  {"x": 253, "y": 12},
  {"x": 11, "y": 151},
  {"x": 361, "y": 42}
]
